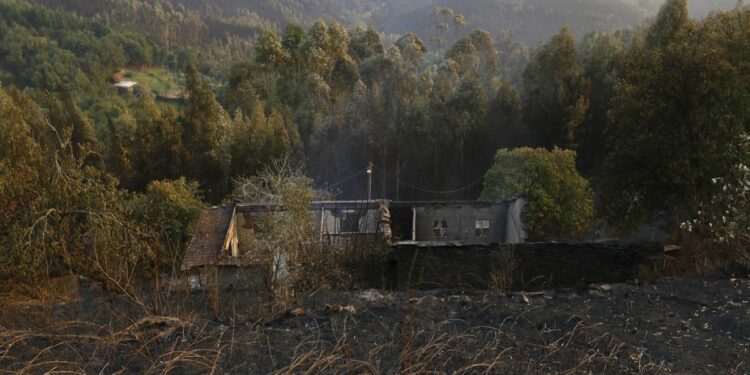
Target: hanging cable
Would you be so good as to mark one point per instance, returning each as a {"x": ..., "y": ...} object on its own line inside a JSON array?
[
  {"x": 444, "y": 192},
  {"x": 342, "y": 181}
]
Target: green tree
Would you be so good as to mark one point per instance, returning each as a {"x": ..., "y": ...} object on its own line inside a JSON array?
[
  {"x": 504, "y": 126},
  {"x": 467, "y": 106},
  {"x": 476, "y": 55},
  {"x": 243, "y": 149},
  {"x": 602, "y": 57},
  {"x": 556, "y": 93},
  {"x": 19, "y": 159},
  {"x": 444, "y": 18},
  {"x": 365, "y": 43},
  {"x": 205, "y": 138},
  {"x": 117, "y": 160},
  {"x": 61, "y": 216},
  {"x": 67, "y": 117},
  {"x": 560, "y": 202},
  {"x": 677, "y": 120},
  {"x": 671, "y": 20},
  {"x": 170, "y": 208},
  {"x": 269, "y": 55},
  {"x": 158, "y": 152}
]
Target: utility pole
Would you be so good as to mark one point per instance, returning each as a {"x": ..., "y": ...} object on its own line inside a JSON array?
[{"x": 369, "y": 181}]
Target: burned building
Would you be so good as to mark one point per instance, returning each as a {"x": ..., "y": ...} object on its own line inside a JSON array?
[
  {"x": 459, "y": 223},
  {"x": 333, "y": 221},
  {"x": 224, "y": 235}
]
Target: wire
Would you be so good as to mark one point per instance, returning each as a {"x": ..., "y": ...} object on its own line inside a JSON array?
[
  {"x": 444, "y": 192},
  {"x": 342, "y": 181}
]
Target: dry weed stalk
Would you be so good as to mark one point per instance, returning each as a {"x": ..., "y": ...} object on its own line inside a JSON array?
[
  {"x": 146, "y": 347},
  {"x": 475, "y": 350}
]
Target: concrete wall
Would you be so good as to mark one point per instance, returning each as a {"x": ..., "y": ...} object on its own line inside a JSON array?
[
  {"x": 344, "y": 221},
  {"x": 539, "y": 265},
  {"x": 461, "y": 222}
]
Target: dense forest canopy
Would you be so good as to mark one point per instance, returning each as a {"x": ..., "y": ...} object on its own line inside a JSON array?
[{"x": 633, "y": 121}]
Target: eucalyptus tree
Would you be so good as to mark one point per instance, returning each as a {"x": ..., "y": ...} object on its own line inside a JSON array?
[
  {"x": 679, "y": 117},
  {"x": 555, "y": 92}
]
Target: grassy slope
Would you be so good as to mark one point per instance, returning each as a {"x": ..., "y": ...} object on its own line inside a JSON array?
[{"x": 156, "y": 79}]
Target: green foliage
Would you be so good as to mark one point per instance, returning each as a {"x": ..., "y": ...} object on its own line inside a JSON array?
[
  {"x": 171, "y": 209},
  {"x": 117, "y": 159},
  {"x": 677, "y": 119},
  {"x": 668, "y": 98},
  {"x": 602, "y": 58},
  {"x": 58, "y": 51},
  {"x": 723, "y": 223},
  {"x": 158, "y": 152},
  {"x": 365, "y": 44},
  {"x": 60, "y": 215},
  {"x": 560, "y": 200},
  {"x": 205, "y": 138},
  {"x": 556, "y": 93},
  {"x": 157, "y": 80},
  {"x": 19, "y": 156},
  {"x": 672, "y": 18}
]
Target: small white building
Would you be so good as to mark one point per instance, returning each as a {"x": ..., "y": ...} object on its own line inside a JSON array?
[{"x": 125, "y": 86}]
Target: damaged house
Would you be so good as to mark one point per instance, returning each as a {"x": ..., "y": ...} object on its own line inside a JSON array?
[{"x": 221, "y": 245}]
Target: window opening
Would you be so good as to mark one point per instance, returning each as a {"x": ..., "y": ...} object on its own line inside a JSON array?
[
  {"x": 349, "y": 221},
  {"x": 482, "y": 227},
  {"x": 440, "y": 228}
]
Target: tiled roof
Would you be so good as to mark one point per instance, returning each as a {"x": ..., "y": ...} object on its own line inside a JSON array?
[{"x": 208, "y": 237}]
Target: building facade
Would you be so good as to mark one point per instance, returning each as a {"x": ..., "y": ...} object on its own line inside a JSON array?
[{"x": 223, "y": 236}]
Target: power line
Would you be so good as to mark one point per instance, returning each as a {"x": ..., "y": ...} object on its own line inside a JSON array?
[
  {"x": 424, "y": 190},
  {"x": 342, "y": 181}
]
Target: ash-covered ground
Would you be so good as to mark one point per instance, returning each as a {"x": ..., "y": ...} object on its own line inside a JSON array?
[{"x": 674, "y": 325}]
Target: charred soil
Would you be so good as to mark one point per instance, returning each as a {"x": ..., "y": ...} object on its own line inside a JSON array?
[{"x": 674, "y": 325}]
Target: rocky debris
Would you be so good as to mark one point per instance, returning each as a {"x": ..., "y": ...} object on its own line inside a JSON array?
[
  {"x": 162, "y": 328},
  {"x": 375, "y": 298},
  {"x": 339, "y": 308}
]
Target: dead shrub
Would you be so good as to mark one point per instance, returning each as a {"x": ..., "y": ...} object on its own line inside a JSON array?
[
  {"x": 502, "y": 277},
  {"x": 294, "y": 261}
]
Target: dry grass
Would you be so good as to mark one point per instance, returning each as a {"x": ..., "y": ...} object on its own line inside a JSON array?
[
  {"x": 476, "y": 350},
  {"x": 337, "y": 345},
  {"x": 501, "y": 279},
  {"x": 155, "y": 345}
]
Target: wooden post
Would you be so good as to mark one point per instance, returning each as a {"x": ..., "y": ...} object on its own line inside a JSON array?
[{"x": 369, "y": 181}]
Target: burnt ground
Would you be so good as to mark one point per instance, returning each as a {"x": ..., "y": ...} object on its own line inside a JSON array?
[{"x": 674, "y": 325}]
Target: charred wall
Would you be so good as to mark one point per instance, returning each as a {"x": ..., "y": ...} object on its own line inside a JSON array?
[{"x": 536, "y": 265}]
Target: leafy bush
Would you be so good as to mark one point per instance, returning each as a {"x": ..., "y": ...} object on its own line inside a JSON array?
[
  {"x": 560, "y": 200},
  {"x": 723, "y": 224},
  {"x": 64, "y": 215},
  {"x": 170, "y": 208}
]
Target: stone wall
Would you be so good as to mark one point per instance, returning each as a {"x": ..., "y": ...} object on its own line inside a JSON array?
[{"x": 535, "y": 265}]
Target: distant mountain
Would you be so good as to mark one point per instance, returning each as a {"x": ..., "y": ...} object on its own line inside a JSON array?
[{"x": 531, "y": 21}]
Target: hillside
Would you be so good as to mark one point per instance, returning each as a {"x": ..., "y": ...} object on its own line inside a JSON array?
[
  {"x": 228, "y": 28},
  {"x": 530, "y": 20}
]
